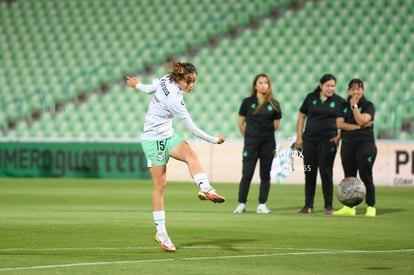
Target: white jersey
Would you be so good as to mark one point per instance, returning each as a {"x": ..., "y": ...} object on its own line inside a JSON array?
[{"x": 167, "y": 103}]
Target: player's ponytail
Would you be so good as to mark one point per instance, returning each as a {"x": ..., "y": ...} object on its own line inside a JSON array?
[{"x": 179, "y": 70}]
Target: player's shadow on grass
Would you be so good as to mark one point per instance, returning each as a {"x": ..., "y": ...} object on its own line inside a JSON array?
[
  {"x": 294, "y": 209},
  {"x": 360, "y": 209},
  {"x": 384, "y": 211},
  {"x": 225, "y": 244}
]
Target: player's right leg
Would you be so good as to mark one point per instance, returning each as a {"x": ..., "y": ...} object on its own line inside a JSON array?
[
  {"x": 182, "y": 151},
  {"x": 310, "y": 159}
]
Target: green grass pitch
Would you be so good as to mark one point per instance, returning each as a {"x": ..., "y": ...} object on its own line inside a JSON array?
[{"x": 65, "y": 226}]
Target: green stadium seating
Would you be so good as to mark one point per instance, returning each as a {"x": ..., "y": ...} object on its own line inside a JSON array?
[{"x": 61, "y": 48}]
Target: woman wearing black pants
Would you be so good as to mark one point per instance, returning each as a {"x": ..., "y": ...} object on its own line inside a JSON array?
[
  {"x": 319, "y": 139},
  {"x": 358, "y": 150},
  {"x": 259, "y": 117}
]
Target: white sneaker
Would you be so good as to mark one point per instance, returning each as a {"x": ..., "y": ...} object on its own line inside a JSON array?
[
  {"x": 241, "y": 208},
  {"x": 262, "y": 209},
  {"x": 165, "y": 242}
]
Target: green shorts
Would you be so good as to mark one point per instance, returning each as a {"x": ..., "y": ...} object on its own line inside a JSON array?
[{"x": 157, "y": 152}]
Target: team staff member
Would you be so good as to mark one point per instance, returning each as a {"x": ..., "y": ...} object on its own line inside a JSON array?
[
  {"x": 259, "y": 117},
  {"x": 358, "y": 150},
  {"x": 160, "y": 142},
  {"x": 318, "y": 140}
]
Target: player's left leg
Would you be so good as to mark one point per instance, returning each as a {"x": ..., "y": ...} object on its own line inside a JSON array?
[
  {"x": 310, "y": 159},
  {"x": 327, "y": 150},
  {"x": 349, "y": 159},
  {"x": 266, "y": 157},
  {"x": 157, "y": 158},
  {"x": 159, "y": 180},
  {"x": 366, "y": 156},
  {"x": 158, "y": 174},
  {"x": 250, "y": 156}
]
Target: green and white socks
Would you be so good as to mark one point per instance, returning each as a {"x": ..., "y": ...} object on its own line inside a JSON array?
[
  {"x": 203, "y": 183},
  {"x": 159, "y": 220}
]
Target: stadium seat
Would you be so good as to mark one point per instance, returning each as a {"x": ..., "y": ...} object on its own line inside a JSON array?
[{"x": 64, "y": 47}]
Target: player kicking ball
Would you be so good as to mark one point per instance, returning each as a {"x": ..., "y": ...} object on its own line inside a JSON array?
[{"x": 160, "y": 142}]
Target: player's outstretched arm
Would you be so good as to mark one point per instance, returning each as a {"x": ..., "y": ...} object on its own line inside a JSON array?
[
  {"x": 132, "y": 81},
  {"x": 193, "y": 129},
  {"x": 135, "y": 83}
]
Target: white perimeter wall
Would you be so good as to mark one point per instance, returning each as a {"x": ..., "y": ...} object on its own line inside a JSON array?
[{"x": 223, "y": 163}]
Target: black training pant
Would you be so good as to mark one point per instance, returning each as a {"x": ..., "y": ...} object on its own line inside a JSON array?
[
  {"x": 318, "y": 154},
  {"x": 257, "y": 148},
  {"x": 360, "y": 157}
]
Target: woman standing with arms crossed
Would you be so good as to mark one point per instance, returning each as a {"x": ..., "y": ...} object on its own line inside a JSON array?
[
  {"x": 259, "y": 117},
  {"x": 319, "y": 139},
  {"x": 159, "y": 141},
  {"x": 358, "y": 150}
]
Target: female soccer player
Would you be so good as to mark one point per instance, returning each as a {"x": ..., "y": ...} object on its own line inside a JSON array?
[
  {"x": 319, "y": 140},
  {"x": 358, "y": 150},
  {"x": 159, "y": 141},
  {"x": 259, "y": 118}
]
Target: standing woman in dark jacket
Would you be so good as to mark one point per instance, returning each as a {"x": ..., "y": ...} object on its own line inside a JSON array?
[
  {"x": 259, "y": 117},
  {"x": 358, "y": 149},
  {"x": 318, "y": 139}
]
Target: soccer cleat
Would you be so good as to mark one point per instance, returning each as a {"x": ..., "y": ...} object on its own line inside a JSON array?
[
  {"x": 345, "y": 211},
  {"x": 371, "y": 211},
  {"x": 165, "y": 242},
  {"x": 329, "y": 211},
  {"x": 241, "y": 208},
  {"x": 306, "y": 210},
  {"x": 262, "y": 209},
  {"x": 211, "y": 195}
]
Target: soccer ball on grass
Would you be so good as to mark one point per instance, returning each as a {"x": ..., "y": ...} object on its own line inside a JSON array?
[{"x": 350, "y": 191}]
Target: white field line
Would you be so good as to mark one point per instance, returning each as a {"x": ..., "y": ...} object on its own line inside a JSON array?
[
  {"x": 145, "y": 248},
  {"x": 307, "y": 252}
]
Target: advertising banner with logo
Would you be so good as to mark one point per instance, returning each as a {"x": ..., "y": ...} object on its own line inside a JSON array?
[
  {"x": 393, "y": 166},
  {"x": 73, "y": 160}
]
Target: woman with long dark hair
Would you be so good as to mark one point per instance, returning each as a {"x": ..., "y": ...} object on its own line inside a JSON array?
[{"x": 259, "y": 117}]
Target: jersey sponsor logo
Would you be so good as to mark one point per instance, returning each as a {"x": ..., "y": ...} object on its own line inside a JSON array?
[
  {"x": 164, "y": 88},
  {"x": 332, "y": 104}
]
